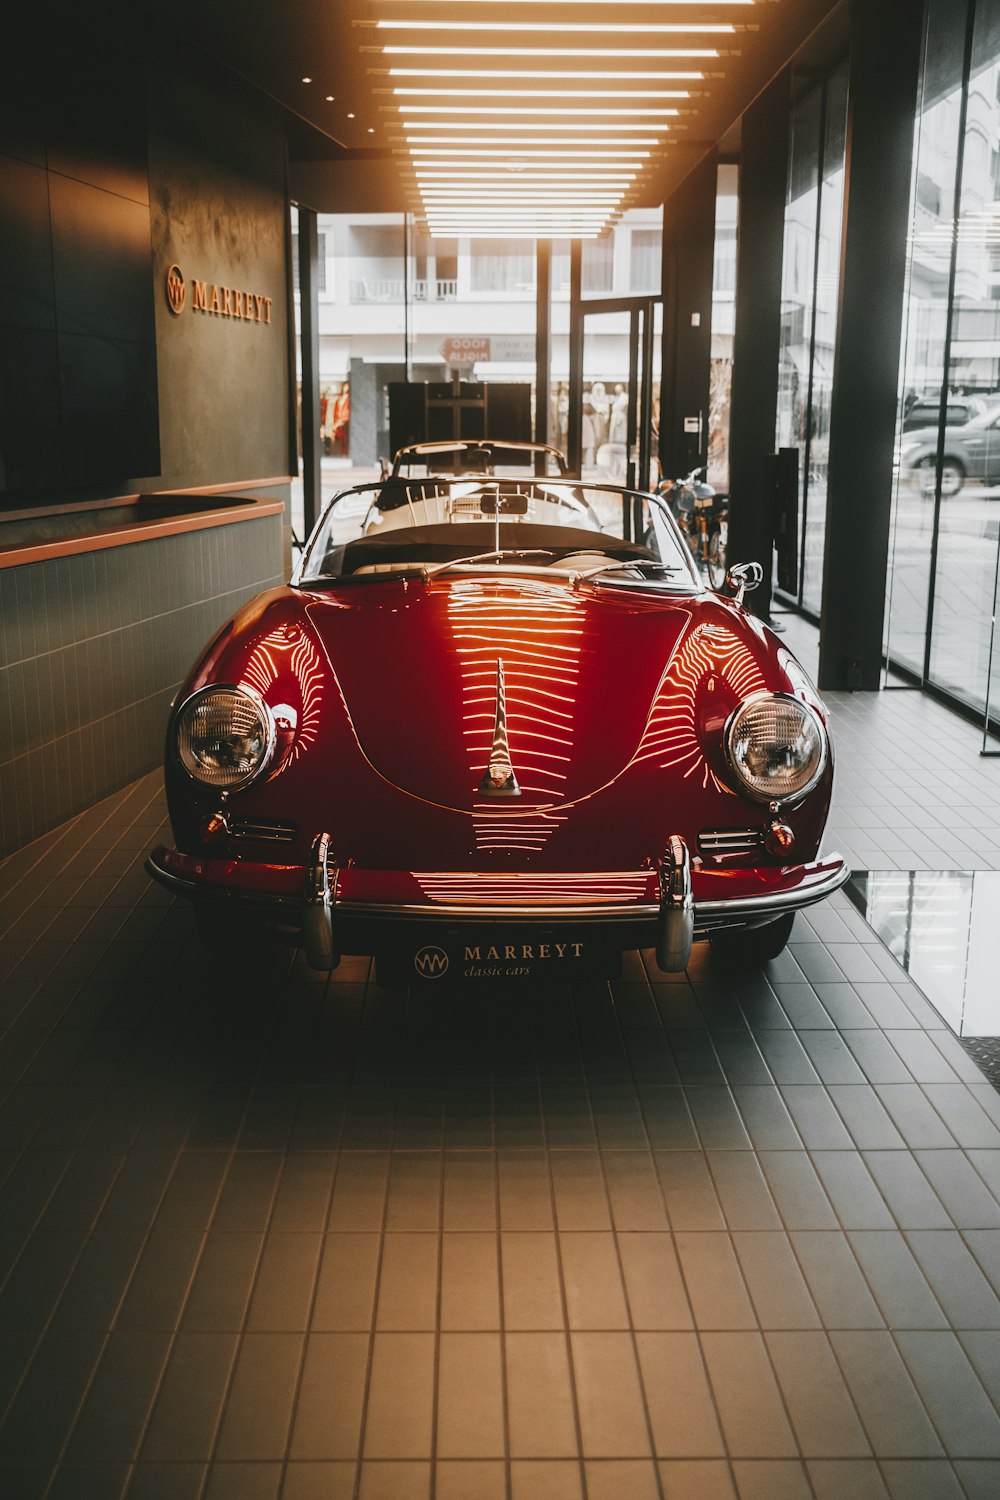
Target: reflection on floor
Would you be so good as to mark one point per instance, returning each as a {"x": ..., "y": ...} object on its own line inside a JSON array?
[
  {"x": 267, "y": 1236},
  {"x": 943, "y": 926}
]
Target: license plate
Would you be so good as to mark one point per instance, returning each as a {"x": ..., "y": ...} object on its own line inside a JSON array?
[{"x": 475, "y": 956}]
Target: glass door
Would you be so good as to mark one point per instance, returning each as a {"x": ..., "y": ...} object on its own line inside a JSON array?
[{"x": 619, "y": 396}]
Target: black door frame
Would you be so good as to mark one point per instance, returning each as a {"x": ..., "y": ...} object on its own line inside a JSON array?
[{"x": 641, "y": 337}]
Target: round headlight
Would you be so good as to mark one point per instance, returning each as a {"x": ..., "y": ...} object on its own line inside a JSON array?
[
  {"x": 225, "y": 735},
  {"x": 777, "y": 746}
]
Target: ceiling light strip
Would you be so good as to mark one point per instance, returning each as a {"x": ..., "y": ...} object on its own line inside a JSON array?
[
  {"x": 539, "y": 94},
  {"x": 542, "y": 136},
  {"x": 632, "y": 158},
  {"x": 632, "y": 4},
  {"x": 497, "y": 197},
  {"x": 603, "y": 28},
  {"x": 642, "y": 112},
  {"x": 537, "y": 73},
  {"x": 649, "y": 134},
  {"x": 544, "y": 176},
  {"x": 595, "y": 52}
]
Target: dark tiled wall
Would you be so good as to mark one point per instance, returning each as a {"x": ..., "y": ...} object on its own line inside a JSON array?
[{"x": 92, "y": 649}]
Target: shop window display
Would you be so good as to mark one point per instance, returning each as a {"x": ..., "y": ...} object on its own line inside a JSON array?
[{"x": 943, "y": 541}]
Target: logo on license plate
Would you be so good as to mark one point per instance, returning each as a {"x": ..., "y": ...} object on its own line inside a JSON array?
[{"x": 431, "y": 962}]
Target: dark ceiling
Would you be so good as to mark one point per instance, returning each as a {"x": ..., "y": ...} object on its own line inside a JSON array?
[{"x": 345, "y": 111}]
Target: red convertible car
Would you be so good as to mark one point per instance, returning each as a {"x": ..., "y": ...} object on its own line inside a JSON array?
[{"x": 499, "y": 727}]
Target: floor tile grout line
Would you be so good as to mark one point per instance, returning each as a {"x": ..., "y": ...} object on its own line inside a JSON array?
[
  {"x": 314, "y": 1291},
  {"x": 177, "y": 1330},
  {"x": 65, "y": 829},
  {"x": 107, "y": 1336},
  {"x": 560, "y": 1269},
  {"x": 380, "y": 1260},
  {"x": 615, "y": 1239}
]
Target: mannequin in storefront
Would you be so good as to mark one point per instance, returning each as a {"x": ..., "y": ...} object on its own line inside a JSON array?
[
  {"x": 341, "y": 419},
  {"x": 601, "y": 408},
  {"x": 588, "y": 432},
  {"x": 326, "y": 419},
  {"x": 618, "y": 428}
]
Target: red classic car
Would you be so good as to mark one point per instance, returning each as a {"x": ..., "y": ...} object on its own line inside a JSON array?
[{"x": 499, "y": 726}]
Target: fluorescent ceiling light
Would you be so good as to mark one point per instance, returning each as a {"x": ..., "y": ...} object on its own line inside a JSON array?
[
  {"x": 545, "y": 173},
  {"x": 534, "y": 73},
  {"x": 656, "y": 129},
  {"x": 642, "y": 28},
  {"x": 551, "y": 51},
  {"x": 517, "y": 140},
  {"x": 633, "y": 4},
  {"x": 560, "y": 200},
  {"x": 538, "y": 227},
  {"x": 543, "y": 94},
  {"x": 476, "y": 109},
  {"x": 485, "y": 151},
  {"x": 484, "y": 214}
]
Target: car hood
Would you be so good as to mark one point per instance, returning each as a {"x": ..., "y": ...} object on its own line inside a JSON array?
[{"x": 584, "y": 679}]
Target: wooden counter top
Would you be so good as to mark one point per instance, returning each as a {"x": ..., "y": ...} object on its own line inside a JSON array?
[{"x": 31, "y": 541}]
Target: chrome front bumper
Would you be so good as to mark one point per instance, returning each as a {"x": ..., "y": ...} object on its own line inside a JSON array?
[{"x": 330, "y": 925}]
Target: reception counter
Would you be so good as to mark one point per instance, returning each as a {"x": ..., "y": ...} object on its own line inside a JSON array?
[{"x": 102, "y": 613}]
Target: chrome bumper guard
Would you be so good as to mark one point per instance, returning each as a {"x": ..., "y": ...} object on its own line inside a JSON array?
[
  {"x": 317, "y": 907},
  {"x": 667, "y": 921},
  {"x": 675, "y": 920}
]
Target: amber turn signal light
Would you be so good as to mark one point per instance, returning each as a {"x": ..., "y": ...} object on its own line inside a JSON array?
[
  {"x": 213, "y": 827},
  {"x": 779, "y": 838}
]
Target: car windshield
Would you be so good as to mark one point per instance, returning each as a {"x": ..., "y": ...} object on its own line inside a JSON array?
[{"x": 600, "y": 534}]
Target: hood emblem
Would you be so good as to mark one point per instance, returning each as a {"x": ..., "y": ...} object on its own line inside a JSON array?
[{"x": 498, "y": 778}]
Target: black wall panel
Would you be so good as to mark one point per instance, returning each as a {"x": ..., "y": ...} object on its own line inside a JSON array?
[
  {"x": 27, "y": 293},
  {"x": 75, "y": 258}
]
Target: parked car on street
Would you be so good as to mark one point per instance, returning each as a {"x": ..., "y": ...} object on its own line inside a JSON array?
[
  {"x": 971, "y": 451},
  {"x": 924, "y": 411}
]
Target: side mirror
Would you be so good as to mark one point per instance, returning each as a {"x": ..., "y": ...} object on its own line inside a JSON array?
[{"x": 743, "y": 578}]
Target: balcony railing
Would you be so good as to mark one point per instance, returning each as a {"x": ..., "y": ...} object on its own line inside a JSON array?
[{"x": 391, "y": 289}]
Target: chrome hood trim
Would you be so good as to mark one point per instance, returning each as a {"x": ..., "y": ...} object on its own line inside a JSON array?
[{"x": 498, "y": 778}]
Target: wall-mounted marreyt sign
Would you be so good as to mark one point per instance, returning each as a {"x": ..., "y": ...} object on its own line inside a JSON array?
[{"x": 215, "y": 301}]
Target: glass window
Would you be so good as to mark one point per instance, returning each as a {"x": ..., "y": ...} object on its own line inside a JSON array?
[
  {"x": 925, "y": 317},
  {"x": 826, "y": 300},
  {"x": 503, "y": 266},
  {"x": 944, "y": 538},
  {"x": 970, "y": 460},
  {"x": 809, "y": 299},
  {"x": 798, "y": 266},
  {"x": 597, "y": 274},
  {"x": 646, "y": 260},
  {"x": 321, "y": 284},
  {"x": 723, "y": 314}
]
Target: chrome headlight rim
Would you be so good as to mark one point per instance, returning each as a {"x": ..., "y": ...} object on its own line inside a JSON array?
[
  {"x": 266, "y": 717},
  {"x": 788, "y": 799}
]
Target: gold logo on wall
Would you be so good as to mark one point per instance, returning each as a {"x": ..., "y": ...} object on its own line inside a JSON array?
[
  {"x": 218, "y": 301},
  {"x": 176, "y": 290}
]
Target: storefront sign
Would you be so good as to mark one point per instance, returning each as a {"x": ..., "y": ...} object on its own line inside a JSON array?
[
  {"x": 513, "y": 348},
  {"x": 463, "y": 353},
  {"x": 216, "y": 301}
]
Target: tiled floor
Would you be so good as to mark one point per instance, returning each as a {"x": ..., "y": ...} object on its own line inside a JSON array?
[{"x": 263, "y": 1236}]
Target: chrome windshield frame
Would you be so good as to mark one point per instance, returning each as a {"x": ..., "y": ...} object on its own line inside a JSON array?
[{"x": 303, "y": 576}]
